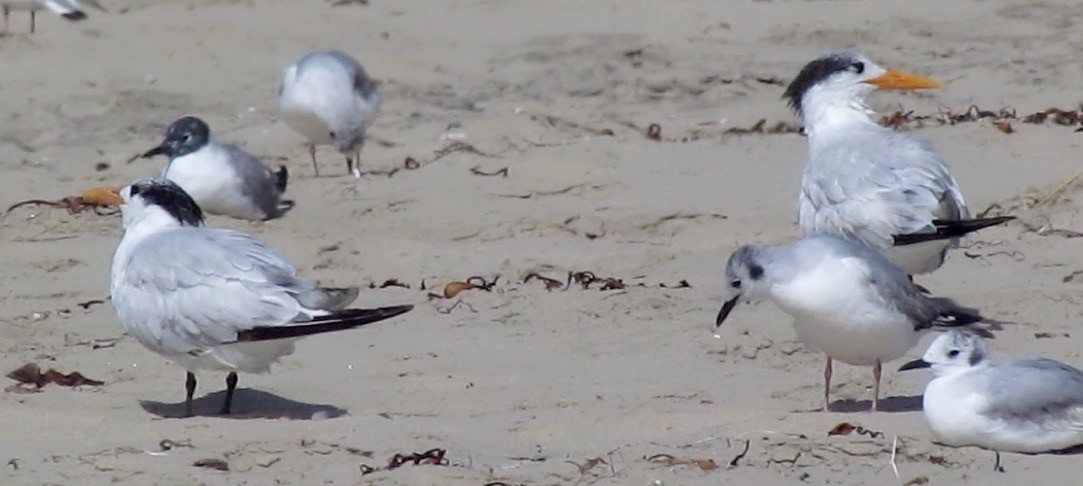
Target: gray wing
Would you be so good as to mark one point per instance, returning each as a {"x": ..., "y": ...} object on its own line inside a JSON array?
[
  {"x": 199, "y": 287},
  {"x": 877, "y": 185},
  {"x": 259, "y": 183},
  {"x": 1038, "y": 390},
  {"x": 363, "y": 85},
  {"x": 889, "y": 283}
]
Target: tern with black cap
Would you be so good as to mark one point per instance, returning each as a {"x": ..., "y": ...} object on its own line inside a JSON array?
[
  {"x": 214, "y": 298},
  {"x": 887, "y": 189}
]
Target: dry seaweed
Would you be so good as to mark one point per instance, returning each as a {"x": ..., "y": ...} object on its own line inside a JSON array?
[{"x": 30, "y": 374}]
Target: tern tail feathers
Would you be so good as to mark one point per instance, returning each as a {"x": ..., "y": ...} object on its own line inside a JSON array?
[
  {"x": 339, "y": 321},
  {"x": 950, "y": 229}
]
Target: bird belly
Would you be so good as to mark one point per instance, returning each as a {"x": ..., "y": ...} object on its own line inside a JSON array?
[
  {"x": 308, "y": 124},
  {"x": 845, "y": 322},
  {"x": 919, "y": 258},
  {"x": 250, "y": 357}
]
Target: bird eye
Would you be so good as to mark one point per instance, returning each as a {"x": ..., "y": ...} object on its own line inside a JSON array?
[
  {"x": 953, "y": 353},
  {"x": 134, "y": 190},
  {"x": 858, "y": 67},
  {"x": 735, "y": 284}
]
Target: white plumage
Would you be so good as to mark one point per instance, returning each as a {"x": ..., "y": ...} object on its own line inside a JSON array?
[
  {"x": 211, "y": 298},
  {"x": 329, "y": 99},
  {"x": 1028, "y": 405}
]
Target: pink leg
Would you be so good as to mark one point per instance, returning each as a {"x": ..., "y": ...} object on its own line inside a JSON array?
[{"x": 312, "y": 152}]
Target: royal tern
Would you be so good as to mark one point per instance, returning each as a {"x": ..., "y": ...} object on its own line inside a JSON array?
[
  {"x": 887, "y": 189},
  {"x": 212, "y": 298}
]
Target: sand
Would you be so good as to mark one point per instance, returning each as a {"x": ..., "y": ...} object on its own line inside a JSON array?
[{"x": 521, "y": 385}]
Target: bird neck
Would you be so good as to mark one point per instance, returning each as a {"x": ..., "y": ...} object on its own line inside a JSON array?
[
  {"x": 151, "y": 220},
  {"x": 829, "y": 113}
]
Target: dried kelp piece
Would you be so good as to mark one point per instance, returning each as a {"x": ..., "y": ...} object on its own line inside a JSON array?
[
  {"x": 550, "y": 283},
  {"x": 846, "y": 428},
  {"x": 94, "y": 198},
  {"x": 760, "y": 127},
  {"x": 654, "y": 131},
  {"x": 587, "y": 278},
  {"x": 394, "y": 282},
  {"x": 589, "y": 464},
  {"x": 668, "y": 460},
  {"x": 432, "y": 457},
  {"x": 212, "y": 463},
  {"x": 1000, "y": 118},
  {"x": 30, "y": 374},
  {"x": 476, "y": 170}
]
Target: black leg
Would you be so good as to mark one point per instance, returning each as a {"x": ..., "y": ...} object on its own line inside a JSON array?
[
  {"x": 312, "y": 152},
  {"x": 876, "y": 386},
  {"x": 32, "y": 21},
  {"x": 190, "y": 387},
  {"x": 997, "y": 467},
  {"x": 827, "y": 385},
  {"x": 231, "y": 384}
]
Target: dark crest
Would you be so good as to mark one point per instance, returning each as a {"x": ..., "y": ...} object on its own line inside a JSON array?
[
  {"x": 169, "y": 196},
  {"x": 814, "y": 72}
]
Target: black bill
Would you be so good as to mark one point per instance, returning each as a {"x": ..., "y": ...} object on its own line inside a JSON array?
[
  {"x": 917, "y": 364},
  {"x": 725, "y": 312}
]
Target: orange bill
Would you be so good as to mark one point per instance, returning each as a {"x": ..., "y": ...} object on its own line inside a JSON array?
[
  {"x": 102, "y": 196},
  {"x": 900, "y": 80}
]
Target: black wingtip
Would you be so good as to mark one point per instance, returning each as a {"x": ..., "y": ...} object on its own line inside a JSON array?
[
  {"x": 339, "y": 321},
  {"x": 951, "y": 229},
  {"x": 74, "y": 16}
]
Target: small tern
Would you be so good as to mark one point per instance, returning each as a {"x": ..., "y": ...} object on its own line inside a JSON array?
[
  {"x": 222, "y": 178},
  {"x": 846, "y": 299},
  {"x": 213, "y": 298},
  {"x": 73, "y": 10},
  {"x": 329, "y": 99},
  {"x": 887, "y": 189},
  {"x": 1027, "y": 405}
]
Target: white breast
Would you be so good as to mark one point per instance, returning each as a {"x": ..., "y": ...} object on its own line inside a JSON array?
[
  {"x": 836, "y": 312},
  {"x": 208, "y": 177}
]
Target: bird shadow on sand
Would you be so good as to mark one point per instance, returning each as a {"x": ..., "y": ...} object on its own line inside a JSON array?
[
  {"x": 247, "y": 404},
  {"x": 894, "y": 404}
]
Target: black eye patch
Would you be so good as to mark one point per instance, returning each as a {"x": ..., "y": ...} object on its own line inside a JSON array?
[{"x": 755, "y": 271}]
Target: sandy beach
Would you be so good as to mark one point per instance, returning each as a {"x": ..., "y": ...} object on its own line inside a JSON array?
[{"x": 528, "y": 124}]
